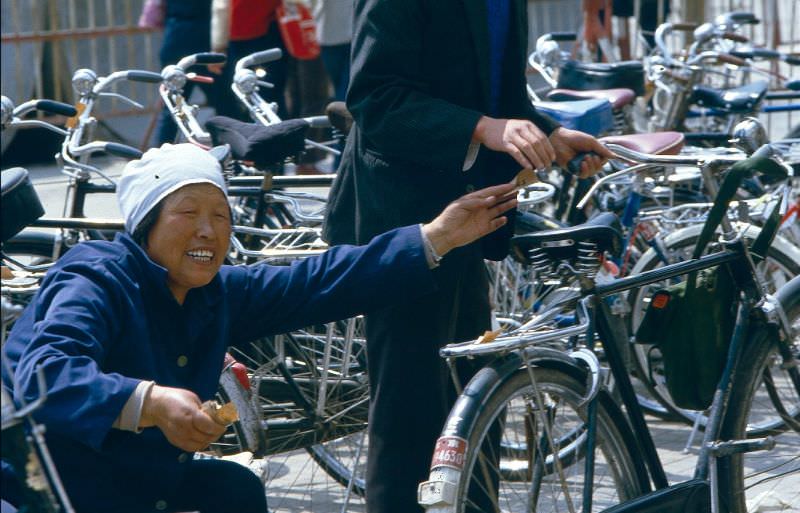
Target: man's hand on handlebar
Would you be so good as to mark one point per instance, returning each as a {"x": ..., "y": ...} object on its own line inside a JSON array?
[{"x": 570, "y": 143}]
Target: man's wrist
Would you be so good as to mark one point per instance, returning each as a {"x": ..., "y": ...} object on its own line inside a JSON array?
[{"x": 480, "y": 129}]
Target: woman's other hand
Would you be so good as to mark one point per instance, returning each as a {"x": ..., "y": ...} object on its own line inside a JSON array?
[{"x": 470, "y": 217}]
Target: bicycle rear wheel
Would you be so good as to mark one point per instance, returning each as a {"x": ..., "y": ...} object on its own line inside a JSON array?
[
  {"x": 747, "y": 481},
  {"x": 529, "y": 479}
]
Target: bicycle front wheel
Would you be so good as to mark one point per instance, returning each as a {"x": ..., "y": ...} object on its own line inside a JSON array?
[
  {"x": 748, "y": 481},
  {"x": 546, "y": 427}
]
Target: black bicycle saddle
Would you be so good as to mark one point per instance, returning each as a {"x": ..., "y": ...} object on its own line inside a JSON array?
[
  {"x": 20, "y": 203},
  {"x": 263, "y": 145},
  {"x": 584, "y": 76},
  {"x": 737, "y": 99},
  {"x": 563, "y": 244}
]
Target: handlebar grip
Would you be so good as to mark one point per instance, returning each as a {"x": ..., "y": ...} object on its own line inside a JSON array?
[
  {"x": 761, "y": 53},
  {"x": 210, "y": 58},
  {"x": 793, "y": 60},
  {"x": 743, "y": 17},
  {"x": 766, "y": 53},
  {"x": 138, "y": 75},
  {"x": 54, "y": 107},
  {"x": 122, "y": 150},
  {"x": 733, "y": 36},
  {"x": 730, "y": 59},
  {"x": 574, "y": 165},
  {"x": 563, "y": 36},
  {"x": 318, "y": 121},
  {"x": 765, "y": 151},
  {"x": 273, "y": 54},
  {"x": 685, "y": 27},
  {"x": 202, "y": 79}
]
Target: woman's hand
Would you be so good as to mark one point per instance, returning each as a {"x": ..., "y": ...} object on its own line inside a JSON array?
[
  {"x": 519, "y": 138},
  {"x": 176, "y": 412},
  {"x": 470, "y": 217}
]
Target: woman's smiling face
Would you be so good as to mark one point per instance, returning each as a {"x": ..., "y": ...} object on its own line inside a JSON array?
[{"x": 191, "y": 236}]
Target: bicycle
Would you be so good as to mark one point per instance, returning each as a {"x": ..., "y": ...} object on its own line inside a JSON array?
[{"x": 564, "y": 443}]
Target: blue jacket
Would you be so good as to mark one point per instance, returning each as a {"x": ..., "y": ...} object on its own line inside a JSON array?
[{"x": 104, "y": 319}]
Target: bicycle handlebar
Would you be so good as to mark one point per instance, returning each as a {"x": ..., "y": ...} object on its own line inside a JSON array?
[
  {"x": 150, "y": 77},
  {"x": 792, "y": 60},
  {"x": 727, "y": 58},
  {"x": 134, "y": 75},
  {"x": 737, "y": 18},
  {"x": 201, "y": 58},
  {"x": 122, "y": 150},
  {"x": 574, "y": 165},
  {"x": 318, "y": 121},
  {"x": 112, "y": 148},
  {"x": 54, "y": 107},
  {"x": 43, "y": 105},
  {"x": 753, "y": 53},
  {"x": 646, "y": 161},
  {"x": 733, "y": 36},
  {"x": 254, "y": 59},
  {"x": 563, "y": 36},
  {"x": 11, "y": 114},
  {"x": 685, "y": 27}
]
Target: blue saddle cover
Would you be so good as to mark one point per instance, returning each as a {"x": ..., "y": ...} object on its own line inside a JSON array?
[{"x": 590, "y": 116}]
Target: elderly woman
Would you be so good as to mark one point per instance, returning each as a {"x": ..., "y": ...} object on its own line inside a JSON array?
[{"x": 131, "y": 334}]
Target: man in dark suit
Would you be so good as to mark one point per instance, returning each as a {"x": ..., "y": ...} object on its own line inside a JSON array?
[{"x": 439, "y": 101}]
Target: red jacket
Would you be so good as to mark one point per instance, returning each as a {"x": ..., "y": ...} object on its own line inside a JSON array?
[{"x": 251, "y": 18}]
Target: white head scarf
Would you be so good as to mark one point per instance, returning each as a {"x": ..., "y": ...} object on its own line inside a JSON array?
[{"x": 161, "y": 171}]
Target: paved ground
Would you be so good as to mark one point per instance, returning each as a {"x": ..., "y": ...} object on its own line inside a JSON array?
[{"x": 297, "y": 484}]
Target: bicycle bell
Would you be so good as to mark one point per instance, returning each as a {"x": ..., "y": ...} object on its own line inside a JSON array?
[
  {"x": 174, "y": 77},
  {"x": 749, "y": 135},
  {"x": 8, "y": 111},
  {"x": 246, "y": 80},
  {"x": 548, "y": 52},
  {"x": 83, "y": 81}
]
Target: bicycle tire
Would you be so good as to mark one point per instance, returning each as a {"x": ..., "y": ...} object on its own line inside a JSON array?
[
  {"x": 783, "y": 259},
  {"x": 615, "y": 453},
  {"x": 744, "y": 477}
]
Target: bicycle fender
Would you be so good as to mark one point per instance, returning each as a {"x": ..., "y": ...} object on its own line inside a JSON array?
[
  {"x": 249, "y": 424},
  {"x": 471, "y": 401},
  {"x": 438, "y": 493}
]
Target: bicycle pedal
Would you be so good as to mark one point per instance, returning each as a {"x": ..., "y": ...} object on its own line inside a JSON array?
[{"x": 727, "y": 448}]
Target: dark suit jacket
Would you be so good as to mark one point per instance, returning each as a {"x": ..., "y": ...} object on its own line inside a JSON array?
[{"x": 419, "y": 84}]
